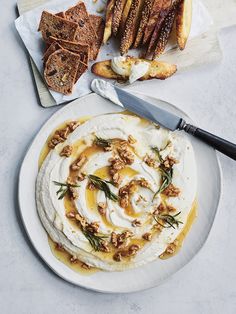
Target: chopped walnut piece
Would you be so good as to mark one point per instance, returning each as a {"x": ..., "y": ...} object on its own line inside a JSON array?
[
  {"x": 144, "y": 183},
  {"x": 171, "y": 190},
  {"x": 125, "y": 153},
  {"x": 131, "y": 139},
  {"x": 58, "y": 137},
  {"x": 104, "y": 247},
  {"x": 93, "y": 227},
  {"x": 81, "y": 219},
  {"x": 116, "y": 178},
  {"x": 136, "y": 223},
  {"x": 117, "y": 256},
  {"x": 160, "y": 208},
  {"x": 73, "y": 260},
  {"x": 78, "y": 164},
  {"x": 66, "y": 151},
  {"x": 59, "y": 247},
  {"x": 169, "y": 162},
  {"x": 116, "y": 164},
  {"x": 170, "y": 208},
  {"x": 73, "y": 193},
  {"x": 81, "y": 176},
  {"x": 71, "y": 215},
  {"x": 147, "y": 236},
  {"x": 124, "y": 201},
  {"x": 133, "y": 249},
  {"x": 91, "y": 186},
  {"x": 151, "y": 162},
  {"x": 119, "y": 240},
  {"x": 102, "y": 208},
  {"x": 170, "y": 248},
  {"x": 73, "y": 125},
  {"x": 85, "y": 266}
]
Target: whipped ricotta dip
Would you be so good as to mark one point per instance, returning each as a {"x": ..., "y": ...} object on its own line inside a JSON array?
[
  {"x": 133, "y": 71},
  {"x": 144, "y": 189}
]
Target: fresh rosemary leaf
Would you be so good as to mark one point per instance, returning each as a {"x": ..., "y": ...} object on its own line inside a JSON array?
[
  {"x": 95, "y": 240},
  {"x": 169, "y": 221},
  {"x": 166, "y": 178},
  {"x": 64, "y": 188},
  {"x": 102, "y": 142},
  {"x": 103, "y": 186},
  {"x": 157, "y": 151}
]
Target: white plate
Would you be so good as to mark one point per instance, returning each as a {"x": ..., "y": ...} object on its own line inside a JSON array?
[{"x": 209, "y": 175}]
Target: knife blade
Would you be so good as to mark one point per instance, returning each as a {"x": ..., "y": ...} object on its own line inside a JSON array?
[
  {"x": 148, "y": 110},
  {"x": 160, "y": 116}
]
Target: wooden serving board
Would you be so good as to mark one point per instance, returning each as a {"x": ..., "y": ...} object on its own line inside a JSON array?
[{"x": 206, "y": 45}]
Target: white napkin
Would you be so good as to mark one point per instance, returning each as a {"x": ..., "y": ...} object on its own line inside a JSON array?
[{"x": 27, "y": 26}]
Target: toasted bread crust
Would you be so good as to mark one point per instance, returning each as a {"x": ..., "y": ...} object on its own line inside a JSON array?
[
  {"x": 61, "y": 14},
  {"x": 147, "y": 8},
  {"x": 61, "y": 70},
  {"x": 157, "y": 70},
  {"x": 52, "y": 25},
  {"x": 165, "y": 33},
  {"x": 118, "y": 10},
  {"x": 52, "y": 48},
  {"x": 153, "y": 18},
  {"x": 183, "y": 22},
  {"x": 127, "y": 38},
  {"x": 124, "y": 16},
  {"x": 76, "y": 47},
  {"x": 85, "y": 32},
  {"x": 108, "y": 22},
  {"x": 98, "y": 25}
]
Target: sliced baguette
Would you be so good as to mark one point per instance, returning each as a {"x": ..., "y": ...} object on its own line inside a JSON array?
[
  {"x": 124, "y": 16},
  {"x": 85, "y": 32},
  {"x": 98, "y": 25},
  {"x": 131, "y": 26},
  {"x": 52, "y": 25},
  {"x": 183, "y": 22},
  {"x": 166, "y": 7},
  {"x": 157, "y": 70},
  {"x": 118, "y": 10},
  {"x": 61, "y": 71},
  {"x": 153, "y": 18},
  {"x": 108, "y": 23},
  {"x": 147, "y": 8}
]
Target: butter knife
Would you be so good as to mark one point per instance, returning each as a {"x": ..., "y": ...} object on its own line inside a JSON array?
[{"x": 160, "y": 116}]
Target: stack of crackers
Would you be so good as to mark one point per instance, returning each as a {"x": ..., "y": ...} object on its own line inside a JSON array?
[{"x": 73, "y": 38}]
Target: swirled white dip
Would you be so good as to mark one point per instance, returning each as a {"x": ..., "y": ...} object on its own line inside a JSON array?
[{"x": 52, "y": 211}]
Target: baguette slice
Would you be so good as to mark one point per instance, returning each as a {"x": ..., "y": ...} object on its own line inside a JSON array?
[
  {"x": 153, "y": 18},
  {"x": 85, "y": 32},
  {"x": 166, "y": 7},
  {"x": 52, "y": 25},
  {"x": 118, "y": 10},
  {"x": 165, "y": 33},
  {"x": 61, "y": 71},
  {"x": 98, "y": 25},
  {"x": 147, "y": 8},
  {"x": 125, "y": 16},
  {"x": 157, "y": 70},
  {"x": 108, "y": 23},
  {"x": 183, "y": 22},
  {"x": 131, "y": 26}
]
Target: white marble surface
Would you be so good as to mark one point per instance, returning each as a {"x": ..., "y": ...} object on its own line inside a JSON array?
[{"x": 206, "y": 285}]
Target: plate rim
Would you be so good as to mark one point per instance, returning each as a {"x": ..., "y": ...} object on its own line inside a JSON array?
[{"x": 32, "y": 241}]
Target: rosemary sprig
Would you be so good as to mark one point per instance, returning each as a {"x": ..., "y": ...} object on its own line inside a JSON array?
[
  {"x": 95, "y": 240},
  {"x": 103, "y": 186},
  {"x": 170, "y": 221},
  {"x": 157, "y": 151},
  {"x": 102, "y": 142},
  {"x": 166, "y": 174},
  {"x": 166, "y": 178},
  {"x": 64, "y": 188}
]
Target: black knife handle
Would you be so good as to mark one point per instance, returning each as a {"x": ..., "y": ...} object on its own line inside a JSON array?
[{"x": 225, "y": 147}]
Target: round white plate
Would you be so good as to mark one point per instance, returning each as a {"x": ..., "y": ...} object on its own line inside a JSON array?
[{"x": 209, "y": 175}]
